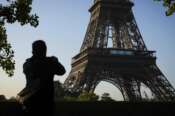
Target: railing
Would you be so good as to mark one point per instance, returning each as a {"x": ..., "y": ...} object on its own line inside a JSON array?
[{"x": 113, "y": 52}]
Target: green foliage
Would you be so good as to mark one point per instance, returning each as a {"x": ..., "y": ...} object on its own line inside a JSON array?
[
  {"x": 15, "y": 11},
  {"x": 106, "y": 97},
  {"x": 12, "y": 99},
  {"x": 88, "y": 97},
  {"x": 2, "y": 98},
  {"x": 69, "y": 98},
  {"x": 83, "y": 97},
  {"x": 6, "y": 53},
  {"x": 59, "y": 91},
  {"x": 170, "y": 5}
]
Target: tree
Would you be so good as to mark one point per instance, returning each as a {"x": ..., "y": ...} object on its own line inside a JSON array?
[
  {"x": 2, "y": 98},
  {"x": 15, "y": 11},
  {"x": 170, "y": 5},
  {"x": 59, "y": 91},
  {"x": 106, "y": 97},
  {"x": 88, "y": 96},
  {"x": 83, "y": 97}
]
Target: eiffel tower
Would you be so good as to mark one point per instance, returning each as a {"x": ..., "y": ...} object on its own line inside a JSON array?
[{"x": 113, "y": 50}]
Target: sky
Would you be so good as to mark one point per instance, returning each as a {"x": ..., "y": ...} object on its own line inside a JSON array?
[{"x": 63, "y": 25}]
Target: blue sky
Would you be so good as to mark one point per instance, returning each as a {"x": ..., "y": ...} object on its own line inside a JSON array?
[{"x": 63, "y": 25}]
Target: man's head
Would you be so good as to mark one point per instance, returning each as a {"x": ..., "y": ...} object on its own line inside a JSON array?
[{"x": 39, "y": 48}]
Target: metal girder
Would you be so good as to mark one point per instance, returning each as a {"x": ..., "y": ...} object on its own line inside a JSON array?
[{"x": 127, "y": 64}]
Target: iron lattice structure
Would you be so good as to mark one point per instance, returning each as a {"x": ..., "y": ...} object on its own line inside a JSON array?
[{"x": 125, "y": 62}]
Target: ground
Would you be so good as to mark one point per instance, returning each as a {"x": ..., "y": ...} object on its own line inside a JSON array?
[{"x": 98, "y": 108}]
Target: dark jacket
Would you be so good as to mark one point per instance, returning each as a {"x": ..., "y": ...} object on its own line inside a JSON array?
[{"x": 39, "y": 79}]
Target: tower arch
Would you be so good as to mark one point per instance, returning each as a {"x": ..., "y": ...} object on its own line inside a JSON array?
[
  {"x": 106, "y": 86},
  {"x": 128, "y": 57}
]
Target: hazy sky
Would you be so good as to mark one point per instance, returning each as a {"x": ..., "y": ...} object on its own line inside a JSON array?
[{"x": 63, "y": 25}]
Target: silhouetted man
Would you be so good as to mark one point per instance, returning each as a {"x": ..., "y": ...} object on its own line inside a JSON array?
[{"x": 40, "y": 70}]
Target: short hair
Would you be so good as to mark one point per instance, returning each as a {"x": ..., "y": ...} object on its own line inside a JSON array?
[{"x": 39, "y": 48}]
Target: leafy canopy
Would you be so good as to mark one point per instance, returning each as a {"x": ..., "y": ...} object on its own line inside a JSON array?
[
  {"x": 14, "y": 11},
  {"x": 106, "y": 97},
  {"x": 83, "y": 97},
  {"x": 170, "y": 5}
]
